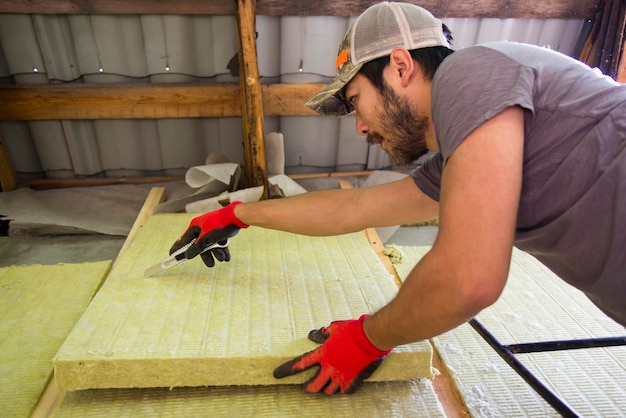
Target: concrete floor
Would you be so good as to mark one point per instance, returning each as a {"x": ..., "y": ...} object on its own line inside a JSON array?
[
  {"x": 414, "y": 235},
  {"x": 58, "y": 249}
]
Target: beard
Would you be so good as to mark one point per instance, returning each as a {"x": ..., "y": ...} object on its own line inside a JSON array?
[{"x": 405, "y": 128}]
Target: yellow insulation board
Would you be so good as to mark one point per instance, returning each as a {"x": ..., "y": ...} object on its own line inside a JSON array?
[
  {"x": 39, "y": 305},
  {"x": 373, "y": 400},
  {"x": 535, "y": 306},
  {"x": 230, "y": 325}
]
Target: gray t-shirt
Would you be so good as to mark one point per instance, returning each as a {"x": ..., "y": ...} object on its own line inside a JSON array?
[{"x": 572, "y": 213}]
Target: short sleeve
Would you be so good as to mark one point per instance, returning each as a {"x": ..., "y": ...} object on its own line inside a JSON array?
[
  {"x": 470, "y": 87},
  {"x": 428, "y": 176}
]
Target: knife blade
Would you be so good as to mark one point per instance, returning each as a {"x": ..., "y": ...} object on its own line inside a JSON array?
[{"x": 178, "y": 257}]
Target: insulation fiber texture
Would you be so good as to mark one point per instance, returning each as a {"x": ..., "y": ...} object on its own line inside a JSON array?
[
  {"x": 535, "y": 306},
  {"x": 39, "y": 305},
  {"x": 229, "y": 325},
  {"x": 415, "y": 398}
]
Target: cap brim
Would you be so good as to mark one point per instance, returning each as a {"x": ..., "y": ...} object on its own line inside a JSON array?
[{"x": 330, "y": 100}]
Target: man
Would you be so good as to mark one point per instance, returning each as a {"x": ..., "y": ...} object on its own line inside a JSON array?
[{"x": 530, "y": 151}]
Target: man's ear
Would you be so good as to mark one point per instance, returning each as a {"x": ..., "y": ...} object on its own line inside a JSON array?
[{"x": 403, "y": 65}]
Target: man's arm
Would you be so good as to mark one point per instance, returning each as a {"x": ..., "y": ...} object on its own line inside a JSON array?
[
  {"x": 333, "y": 212},
  {"x": 467, "y": 267}
]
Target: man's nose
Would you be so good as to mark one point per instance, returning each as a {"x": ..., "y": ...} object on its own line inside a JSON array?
[{"x": 361, "y": 127}]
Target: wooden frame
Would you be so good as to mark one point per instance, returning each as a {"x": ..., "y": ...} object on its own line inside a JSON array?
[
  {"x": 8, "y": 178},
  {"x": 141, "y": 101},
  {"x": 455, "y": 8},
  {"x": 250, "y": 100}
]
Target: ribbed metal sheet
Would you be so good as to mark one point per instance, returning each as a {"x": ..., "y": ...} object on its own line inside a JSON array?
[{"x": 105, "y": 49}]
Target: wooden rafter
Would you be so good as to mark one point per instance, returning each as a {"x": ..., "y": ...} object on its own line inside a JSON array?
[
  {"x": 141, "y": 101},
  {"x": 251, "y": 97},
  {"x": 486, "y": 8},
  {"x": 8, "y": 178}
]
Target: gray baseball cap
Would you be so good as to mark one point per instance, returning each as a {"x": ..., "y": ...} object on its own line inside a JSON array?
[{"x": 374, "y": 34}]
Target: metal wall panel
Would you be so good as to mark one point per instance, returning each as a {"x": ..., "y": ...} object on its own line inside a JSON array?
[{"x": 174, "y": 49}]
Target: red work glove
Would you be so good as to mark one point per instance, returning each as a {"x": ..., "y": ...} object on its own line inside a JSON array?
[
  {"x": 207, "y": 229},
  {"x": 345, "y": 359}
]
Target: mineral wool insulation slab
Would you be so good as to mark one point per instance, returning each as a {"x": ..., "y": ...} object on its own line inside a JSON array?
[
  {"x": 39, "y": 305},
  {"x": 230, "y": 325},
  {"x": 535, "y": 306},
  {"x": 414, "y": 398}
]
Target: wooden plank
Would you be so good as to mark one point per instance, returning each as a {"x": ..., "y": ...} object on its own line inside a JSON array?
[
  {"x": 288, "y": 99},
  {"x": 529, "y": 9},
  {"x": 117, "y": 101},
  {"x": 300, "y": 176},
  {"x": 8, "y": 178},
  {"x": 452, "y": 8},
  {"x": 49, "y": 401},
  {"x": 621, "y": 70},
  {"x": 213, "y": 7},
  {"x": 446, "y": 390},
  {"x": 255, "y": 163},
  {"x": 580, "y": 9},
  {"x": 46, "y": 184},
  {"x": 156, "y": 196},
  {"x": 379, "y": 248},
  {"x": 132, "y": 101},
  {"x": 376, "y": 242},
  {"x": 619, "y": 56}
]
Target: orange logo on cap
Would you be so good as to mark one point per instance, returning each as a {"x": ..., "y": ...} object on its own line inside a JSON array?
[{"x": 341, "y": 59}]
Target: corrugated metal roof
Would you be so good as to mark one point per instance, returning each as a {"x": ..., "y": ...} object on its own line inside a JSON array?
[{"x": 197, "y": 48}]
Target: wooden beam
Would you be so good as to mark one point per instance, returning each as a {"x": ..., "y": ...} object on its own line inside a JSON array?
[
  {"x": 92, "y": 7},
  {"x": 8, "y": 178},
  {"x": 452, "y": 8},
  {"x": 255, "y": 163},
  {"x": 156, "y": 196},
  {"x": 580, "y": 9},
  {"x": 621, "y": 70},
  {"x": 85, "y": 102},
  {"x": 46, "y": 184},
  {"x": 288, "y": 99}
]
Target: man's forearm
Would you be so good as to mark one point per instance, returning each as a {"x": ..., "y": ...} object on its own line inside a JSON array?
[
  {"x": 333, "y": 212},
  {"x": 426, "y": 305},
  {"x": 319, "y": 213}
]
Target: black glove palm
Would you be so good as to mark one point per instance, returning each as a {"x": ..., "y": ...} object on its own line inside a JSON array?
[{"x": 206, "y": 230}]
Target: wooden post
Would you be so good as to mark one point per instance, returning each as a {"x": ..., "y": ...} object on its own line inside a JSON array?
[
  {"x": 8, "y": 178},
  {"x": 621, "y": 72},
  {"x": 620, "y": 39},
  {"x": 251, "y": 98}
]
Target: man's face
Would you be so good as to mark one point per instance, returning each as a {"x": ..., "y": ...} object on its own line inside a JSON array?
[{"x": 388, "y": 119}]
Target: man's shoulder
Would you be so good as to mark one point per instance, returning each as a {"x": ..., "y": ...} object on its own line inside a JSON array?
[
  {"x": 476, "y": 55},
  {"x": 520, "y": 53}
]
